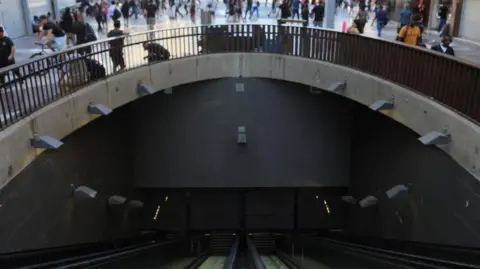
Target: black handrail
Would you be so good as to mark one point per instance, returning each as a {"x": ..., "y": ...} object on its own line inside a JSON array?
[
  {"x": 257, "y": 261},
  {"x": 378, "y": 254},
  {"x": 232, "y": 255}
]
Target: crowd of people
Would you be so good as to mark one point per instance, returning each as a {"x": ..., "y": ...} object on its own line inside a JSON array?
[{"x": 72, "y": 29}]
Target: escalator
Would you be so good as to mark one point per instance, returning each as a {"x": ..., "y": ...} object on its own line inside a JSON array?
[
  {"x": 228, "y": 250},
  {"x": 272, "y": 262}
]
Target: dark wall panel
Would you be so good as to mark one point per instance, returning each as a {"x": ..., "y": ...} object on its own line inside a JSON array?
[
  {"x": 37, "y": 209},
  {"x": 172, "y": 214},
  {"x": 270, "y": 209},
  {"x": 312, "y": 211},
  {"x": 188, "y": 138},
  {"x": 216, "y": 209},
  {"x": 444, "y": 201}
]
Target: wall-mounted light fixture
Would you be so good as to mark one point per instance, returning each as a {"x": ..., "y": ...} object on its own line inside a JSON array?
[
  {"x": 99, "y": 109},
  {"x": 84, "y": 192},
  {"x": 382, "y": 105},
  {"x": 45, "y": 142},
  {"x": 349, "y": 199},
  {"x": 115, "y": 200},
  {"x": 144, "y": 89},
  {"x": 435, "y": 138},
  {"x": 399, "y": 191},
  {"x": 135, "y": 204},
  {"x": 368, "y": 201}
]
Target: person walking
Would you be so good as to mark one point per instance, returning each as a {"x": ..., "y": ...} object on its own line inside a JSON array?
[
  {"x": 381, "y": 17},
  {"x": 7, "y": 55},
  {"x": 318, "y": 12},
  {"x": 116, "y": 47},
  {"x": 125, "y": 12},
  {"x": 150, "y": 15}
]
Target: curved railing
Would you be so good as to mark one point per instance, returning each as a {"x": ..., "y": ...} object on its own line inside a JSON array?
[{"x": 454, "y": 83}]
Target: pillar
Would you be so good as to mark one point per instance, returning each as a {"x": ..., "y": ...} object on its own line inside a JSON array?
[
  {"x": 27, "y": 17},
  {"x": 329, "y": 19}
]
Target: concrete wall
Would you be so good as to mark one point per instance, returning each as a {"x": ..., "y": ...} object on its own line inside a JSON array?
[
  {"x": 295, "y": 138},
  {"x": 444, "y": 201},
  {"x": 252, "y": 209},
  {"x": 37, "y": 209},
  {"x": 64, "y": 116}
]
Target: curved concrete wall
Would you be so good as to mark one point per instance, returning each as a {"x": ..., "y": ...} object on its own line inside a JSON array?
[{"x": 64, "y": 116}]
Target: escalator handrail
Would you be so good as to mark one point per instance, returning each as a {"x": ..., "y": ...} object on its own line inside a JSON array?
[
  {"x": 256, "y": 257},
  {"x": 101, "y": 256},
  {"x": 232, "y": 254},
  {"x": 400, "y": 255},
  {"x": 362, "y": 239}
]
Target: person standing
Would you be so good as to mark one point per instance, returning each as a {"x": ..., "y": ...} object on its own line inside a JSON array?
[
  {"x": 7, "y": 53},
  {"x": 114, "y": 12},
  {"x": 443, "y": 16},
  {"x": 445, "y": 47},
  {"x": 411, "y": 34},
  {"x": 116, "y": 47},
  {"x": 405, "y": 16},
  {"x": 295, "y": 9},
  {"x": 318, "y": 13},
  {"x": 381, "y": 17},
  {"x": 361, "y": 18},
  {"x": 248, "y": 10},
  {"x": 150, "y": 15},
  {"x": 125, "y": 12}
]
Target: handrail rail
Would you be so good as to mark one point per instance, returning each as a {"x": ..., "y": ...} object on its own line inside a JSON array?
[
  {"x": 445, "y": 79},
  {"x": 255, "y": 256},
  {"x": 232, "y": 255},
  {"x": 402, "y": 257}
]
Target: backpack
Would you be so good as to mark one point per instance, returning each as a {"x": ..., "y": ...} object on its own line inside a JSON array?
[
  {"x": 116, "y": 14},
  {"x": 89, "y": 33}
]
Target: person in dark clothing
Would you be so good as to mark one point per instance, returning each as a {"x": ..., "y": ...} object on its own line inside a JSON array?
[
  {"x": 295, "y": 9},
  {"x": 156, "y": 52},
  {"x": 443, "y": 16},
  {"x": 7, "y": 53},
  {"x": 150, "y": 14},
  {"x": 125, "y": 12},
  {"x": 305, "y": 14},
  {"x": 444, "y": 47},
  {"x": 66, "y": 23},
  {"x": 248, "y": 9},
  {"x": 83, "y": 33},
  {"x": 381, "y": 16},
  {"x": 318, "y": 13},
  {"x": 116, "y": 47},
  {"x": 98, "y": 14}
]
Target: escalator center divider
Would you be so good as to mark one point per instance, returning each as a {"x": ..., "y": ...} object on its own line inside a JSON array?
[
  {"x": 257, "y": 261},
  {"x": 232, "y": 255}
]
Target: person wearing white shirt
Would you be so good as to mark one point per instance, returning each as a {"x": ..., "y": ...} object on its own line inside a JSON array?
[{"x": 111, "y": 10}]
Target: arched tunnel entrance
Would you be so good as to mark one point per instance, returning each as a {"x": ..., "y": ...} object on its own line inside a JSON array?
[{"x": 179, "y": 154}]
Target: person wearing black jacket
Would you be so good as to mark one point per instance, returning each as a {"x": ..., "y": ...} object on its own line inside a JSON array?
[
  {"x": 444, "y": 47},
  {"x": 125, "y": 12},
  {"x": 156, "y": 52}
]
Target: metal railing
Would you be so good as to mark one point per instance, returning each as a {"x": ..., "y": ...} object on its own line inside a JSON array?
[{"x": 454, "y": 83}]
